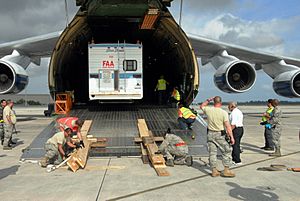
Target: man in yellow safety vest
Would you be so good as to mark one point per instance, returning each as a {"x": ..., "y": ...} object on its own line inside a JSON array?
[
  {"x": 175, "y": 97},
  {"x": 185, "y": 117},
  {"x": 269, "y": 146},
  {"x": 161, "y": 88}
]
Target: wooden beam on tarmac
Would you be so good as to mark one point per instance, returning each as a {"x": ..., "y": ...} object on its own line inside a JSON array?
[
  {"x": 157, "y": 160},
  {"x": 80, "y": 156}
]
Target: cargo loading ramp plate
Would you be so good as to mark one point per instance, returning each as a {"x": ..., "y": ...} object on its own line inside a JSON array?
[{"x": 118, "y": 124}]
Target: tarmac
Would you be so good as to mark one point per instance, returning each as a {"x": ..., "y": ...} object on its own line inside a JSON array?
[{"x": 127, "y": 178}]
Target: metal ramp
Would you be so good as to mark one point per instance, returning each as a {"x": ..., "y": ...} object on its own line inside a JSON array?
[{"x": 118, "y": 123}]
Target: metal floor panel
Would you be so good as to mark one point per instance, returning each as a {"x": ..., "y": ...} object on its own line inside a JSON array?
[{"x": 118, "y": 123}]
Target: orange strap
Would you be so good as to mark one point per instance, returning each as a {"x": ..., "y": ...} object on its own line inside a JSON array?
[{"x": 180, "y": 144}]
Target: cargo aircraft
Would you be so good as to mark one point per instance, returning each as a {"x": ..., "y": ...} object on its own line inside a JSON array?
[{"x": 167, "y": 50}]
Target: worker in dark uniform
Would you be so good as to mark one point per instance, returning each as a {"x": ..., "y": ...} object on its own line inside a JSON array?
[
  {"x": 175, "y": 150},
  {"x": 276, "y": 128},
  {"x": 175, "y": 97},
  {"x": 161, "y": 88},
  {"x": 268, "y": 132}
]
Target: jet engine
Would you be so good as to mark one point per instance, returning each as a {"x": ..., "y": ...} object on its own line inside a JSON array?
[
  {"x": 13, "y": 77},
  {"x": 233, "y": 75},
  {"x": 288, "y": 84}
]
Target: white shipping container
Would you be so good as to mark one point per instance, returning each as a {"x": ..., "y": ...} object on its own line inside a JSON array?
[{"x": 115, "y": 71}]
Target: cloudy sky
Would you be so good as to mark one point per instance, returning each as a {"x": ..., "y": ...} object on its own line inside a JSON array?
[{"x": 269, "y": 25}]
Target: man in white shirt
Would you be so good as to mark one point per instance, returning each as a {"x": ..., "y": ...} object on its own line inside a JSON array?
[{"x": 236, "y": 122}]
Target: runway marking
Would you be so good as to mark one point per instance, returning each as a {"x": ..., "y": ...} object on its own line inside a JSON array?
[
  {"x": 194, "y": 178},
  {"x": 102, "y": 180}
]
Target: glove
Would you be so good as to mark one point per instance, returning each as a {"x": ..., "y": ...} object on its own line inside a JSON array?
[
  {"x": 67, "y": 155},
  {"x": 78, "y": 145},
  {"x": 263, "y": 123},
  {"x": 82, "y": 144}
]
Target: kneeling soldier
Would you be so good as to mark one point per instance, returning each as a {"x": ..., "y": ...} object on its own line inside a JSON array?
[
  {"x": 54, "y": 147},
  {"x": 175, "y": 150}
]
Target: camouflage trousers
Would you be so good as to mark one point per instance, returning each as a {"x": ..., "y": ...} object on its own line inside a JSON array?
[
  {"x": 52, "y": 153},
  {"x": 8, "y": 130},
  {"x": 276, "y": 133},
  {"x": 1, "y": 131},
  {"x": 176, "y": 153},
  {"x": 214, "y": 141}
]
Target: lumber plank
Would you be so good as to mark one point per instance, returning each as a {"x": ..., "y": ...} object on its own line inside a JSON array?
[
  {"x": 72, "y": 163},
  {"x": 86, "y": 127},
  {"x": 157, "y": 160},
  {"x": 143, "y": 129},
  {"x": 79, "y": 158}
]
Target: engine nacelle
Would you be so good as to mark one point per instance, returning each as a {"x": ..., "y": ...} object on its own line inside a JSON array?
[
  {"x": 235, "y": 76},
  {"x": 287, "y": 84},
  {"x": 13, "y": 78}
]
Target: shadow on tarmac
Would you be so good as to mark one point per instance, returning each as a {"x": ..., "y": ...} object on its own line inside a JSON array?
[
  {"x": 8, "y": 171},
  {"x": 250, "y": 194},
  {"x": 251, "y": 147},
  {"x": 18, "y": 142},
  {"x": 200, "y": 165}
]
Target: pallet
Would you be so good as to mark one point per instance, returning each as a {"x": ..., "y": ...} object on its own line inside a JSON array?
[{"x": 149, "y": 148}]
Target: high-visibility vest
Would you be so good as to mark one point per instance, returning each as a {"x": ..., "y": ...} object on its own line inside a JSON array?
[
  {"x": 68, "y": 122},
  {"x": 161, "y": 85},
  {"x": 269, "y": 111},
  {"x": 176, "y": 95},
  {"x": 186, "y": 112}
]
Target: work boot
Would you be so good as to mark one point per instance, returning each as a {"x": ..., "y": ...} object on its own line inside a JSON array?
[
  {"x": 44, "y": 162},
  {"x": 170, "y": 162},
  {"x": 215, "y": 172},
  {"x": 7, "y": 148},
  {"x": 276, "y": 153},
  {"x": 189, "y": 160},
  {"x": 228, "y": 173}
]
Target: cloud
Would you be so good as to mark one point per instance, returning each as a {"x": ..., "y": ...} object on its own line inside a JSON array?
[
  {"x": 21, "y": 19},
  {"x": 262, "y": 35}
]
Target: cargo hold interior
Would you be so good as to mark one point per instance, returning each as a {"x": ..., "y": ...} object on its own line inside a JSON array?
[{"x": 166, "y": 51}]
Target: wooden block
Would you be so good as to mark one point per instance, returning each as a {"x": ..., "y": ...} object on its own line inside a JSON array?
[
  {"x": 148, "y": 140},
  {"x": 98, "y": 144},
  {"x": 162, "y": 172},
  {"x": 72, "y": 163},
  {"x": 157, "y": 159},
  {"x": 145, "y": 158},
  {"x": 92, "y": 140},
  {"x": 156, "y": 139},
  {"x": 294, "y": 169}
]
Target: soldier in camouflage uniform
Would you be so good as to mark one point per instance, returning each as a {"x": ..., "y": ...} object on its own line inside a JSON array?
[
  {"x": 218, "y": 120},
  {"x": 54, "y": 148},
  {"x": 275, "y": 122},
  {"x": 3, "y": 104},
  {"x": 175, "y": 150}
]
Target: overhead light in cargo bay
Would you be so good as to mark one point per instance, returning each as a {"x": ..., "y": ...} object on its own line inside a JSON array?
[{"x": 150, "y": 18}]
